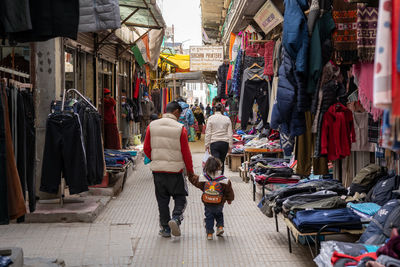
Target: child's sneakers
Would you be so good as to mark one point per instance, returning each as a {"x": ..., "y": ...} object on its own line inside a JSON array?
[
  {"x": 209, "y": 236},
  {"x": 165, "y": 233},
  {"x": 220, "y": 231}
]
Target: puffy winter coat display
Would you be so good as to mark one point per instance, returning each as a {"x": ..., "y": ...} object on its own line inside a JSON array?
[
  {"x": 285, "y": 114},
  {"x": 295, "y": 32},
  {"x": 98, "y": 15}
]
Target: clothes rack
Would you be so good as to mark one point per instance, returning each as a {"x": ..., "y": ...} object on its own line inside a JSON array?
[
  {"x": 78, "y": 93},
  {"x": 62, "y": 184},
  {"x": 14, "y": 72}
]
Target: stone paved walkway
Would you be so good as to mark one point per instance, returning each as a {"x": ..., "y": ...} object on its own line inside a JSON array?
[{"x": 126, "y": 233}]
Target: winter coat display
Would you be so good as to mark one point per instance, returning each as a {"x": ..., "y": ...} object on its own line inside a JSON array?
[
  {"x": 285, "y": 113},
  {"x": 295, "y": 32},
  {"x": 98, "y": 15},
  {"x": 337, "y": 132}
]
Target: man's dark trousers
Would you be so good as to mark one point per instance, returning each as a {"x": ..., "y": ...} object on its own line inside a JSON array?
[{"x": 169, "y": 185}]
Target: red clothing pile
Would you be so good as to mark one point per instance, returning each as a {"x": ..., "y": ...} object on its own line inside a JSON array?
[{"x": 337, "y": 132}]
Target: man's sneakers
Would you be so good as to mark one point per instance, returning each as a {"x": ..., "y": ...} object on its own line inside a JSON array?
[
  {"x": 174, "y": 225},
  {"x": 220, "y": 231},
  {"x": 209, "y": 236},
  {"x": 165, "y": 233}
]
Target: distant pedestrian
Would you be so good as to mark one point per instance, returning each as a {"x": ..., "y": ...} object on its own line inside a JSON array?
[
  {"x": 202, "y": 107},
  {"x": 219, "y": 133},
  {"x": 111, "y": 133},
  {"x": 208, "y": 110},
  {"x": 217, "y": 189},
  {"x": 166, "y": 146},
  {"x": 198, "y": 114}
]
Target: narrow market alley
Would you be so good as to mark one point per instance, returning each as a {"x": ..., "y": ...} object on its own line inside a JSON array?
[{"x": 126, "y": 233}]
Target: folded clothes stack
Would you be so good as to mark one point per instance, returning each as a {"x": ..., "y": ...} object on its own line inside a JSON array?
[
  {"x": 313, "y": 220},
  {"x": 365, "y": 210},
  {"x": 118, "y": 158}
]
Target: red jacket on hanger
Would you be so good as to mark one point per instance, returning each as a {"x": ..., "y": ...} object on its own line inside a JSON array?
[{"x": 337, "y": 132}]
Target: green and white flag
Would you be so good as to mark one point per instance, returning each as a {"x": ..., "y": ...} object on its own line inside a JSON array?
[{"x": 140, "y": 50}]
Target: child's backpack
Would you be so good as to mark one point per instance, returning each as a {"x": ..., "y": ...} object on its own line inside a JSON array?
[{"x": 212, "y": 193}]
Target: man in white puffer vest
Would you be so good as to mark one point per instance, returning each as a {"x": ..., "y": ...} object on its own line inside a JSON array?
[{"x": 166, "y": 145}]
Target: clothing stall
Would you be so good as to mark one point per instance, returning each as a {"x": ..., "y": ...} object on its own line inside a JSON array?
[
  {"x": 331, "y": 101},
  {"x": 17, "y": 145}
]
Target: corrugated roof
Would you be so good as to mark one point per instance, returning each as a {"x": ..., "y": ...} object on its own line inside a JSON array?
[{"x": 141, "y": 13}]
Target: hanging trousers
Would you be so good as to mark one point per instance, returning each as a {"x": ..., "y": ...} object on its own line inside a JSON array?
[
  {"x": 220, "y": 150},
  {"x": 169, "y": 185},
  {"x": 304, "y": 152},
  {"x": 64, "y": 154},
  {"x": 3, "y": 179},
  {"x": 255, "y": 90},
  {"x": 16, "y": 203},
  {"x": 94, "y": 149}
]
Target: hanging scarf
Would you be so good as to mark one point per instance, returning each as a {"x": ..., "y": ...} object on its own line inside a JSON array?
[
  {"x": 382, "y": 93},
  {"x": 345, "y": 35},
  {"x": 367, "y": 20},
  {"x": 364, "y": 73},
  {"x": 395, "y": 75}
]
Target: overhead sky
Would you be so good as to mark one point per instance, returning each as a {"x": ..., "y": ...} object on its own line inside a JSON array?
[{"x": 185, "y": 15}]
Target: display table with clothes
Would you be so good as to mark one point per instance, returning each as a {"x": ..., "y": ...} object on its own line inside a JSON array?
[{"x": 119, "y": 161}]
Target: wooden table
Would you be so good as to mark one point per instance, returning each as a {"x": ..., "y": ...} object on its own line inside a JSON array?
[
  {"x": 249, "y": 152},
  {"x": 235, "y": 161},
  {"x": 291, "y": 229}
]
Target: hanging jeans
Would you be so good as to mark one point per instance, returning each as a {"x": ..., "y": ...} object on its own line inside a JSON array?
[
  {"x": 169, "y": 185},
  {"x": 220, "y": 150},
  {"x": 213, "y": 213},
  {"x": 255, "y": 90},
  {"x": 3, "y": 179},
  {"x": 64, "y": 153}
]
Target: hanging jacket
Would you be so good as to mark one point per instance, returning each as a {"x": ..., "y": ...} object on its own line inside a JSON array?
[
  {"x": 295, "y": 32},
  {"x": 98, "y": 15},
  {"x": 337, "y": 132},
  {"x": 50, "y": 19},
  {"x": 15, "y": 16},
  {"x": 222, "y": 74},
  {"x": 285, "y": 113}
]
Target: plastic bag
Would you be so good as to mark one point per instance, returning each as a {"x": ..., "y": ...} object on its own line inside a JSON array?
[
  {"x": 205, "y": 158},
  {"x": 146, "y": 160}
]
